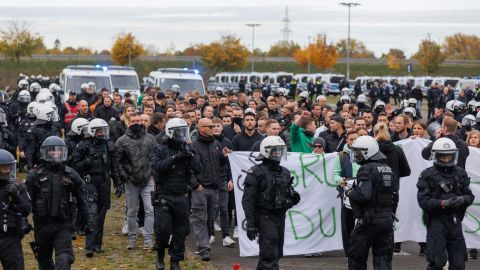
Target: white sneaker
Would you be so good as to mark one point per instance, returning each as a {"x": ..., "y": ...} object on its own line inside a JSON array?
[
  {"x": 235, "y": 232},
  {"x": 212, "y": 240},
  {"x": 217, "y": 227},
  {"x": 141, "y": 232},
  {"x": 125, "y": 228},
  {"x": 228, "y": 242}
]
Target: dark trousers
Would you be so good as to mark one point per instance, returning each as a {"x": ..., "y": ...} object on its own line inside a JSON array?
[
  {"x": 348, "y": 222},
  {"x": 445, "y": 241},
  {"x": 171, "y": 218},
  {"x": 98, "y": 199},
  {"x": 379, "y": 237},
  {"x": 11, "y": 254},
  {"x": 430, "y": 111},
  {"x": 58, "y": 237},
  {"x": 271, "y": 235}
]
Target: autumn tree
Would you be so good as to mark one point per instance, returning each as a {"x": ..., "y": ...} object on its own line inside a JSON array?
[
  {"x": 226, "y": 54},
  {"x": 321, "y": 55},
  {"x": 462, "y": 47},
  {"x": 429, "y": 55},
  {"x": 394, "y": 58},
  {"x": 17, "y": 39},
  {"x": 283, "y": 49},
  {"x": 357, "y": 49},
  {"x": 126, "y": 48},
  {"x": 192, "y": 50}
]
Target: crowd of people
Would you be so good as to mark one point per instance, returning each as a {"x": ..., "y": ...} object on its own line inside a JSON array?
[{"x": 168, "y": 153}]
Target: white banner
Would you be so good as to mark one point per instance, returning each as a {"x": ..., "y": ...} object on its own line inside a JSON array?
[{"x": 314, "y": 224}]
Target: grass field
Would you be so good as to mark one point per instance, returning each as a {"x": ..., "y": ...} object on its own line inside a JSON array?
[
  {"x": 9, "y": 70},
  {"x": 116, "y": 255}
]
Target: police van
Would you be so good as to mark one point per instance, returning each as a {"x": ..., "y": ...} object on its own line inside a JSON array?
[
  {"x": 187, "y": 80},
  {"x": 72, "y": 77},
  {"x": 124, "y": 79}
]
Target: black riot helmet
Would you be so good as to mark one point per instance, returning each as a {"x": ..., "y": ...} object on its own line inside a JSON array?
[
  {"x": 54, "y": 150},
  {"x": 8, "y": 166}
]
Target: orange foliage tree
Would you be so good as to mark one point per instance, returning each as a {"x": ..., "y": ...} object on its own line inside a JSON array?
[
  {"x": 126, "y": 47},
  {"x": 462, "y": 47},
  {"x": 226, "y": 54},
  {"x": 321, "y": 55}
]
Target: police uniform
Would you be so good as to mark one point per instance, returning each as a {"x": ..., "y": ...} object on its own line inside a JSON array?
[
  {"x": 8, "y": 141},
  {"x": 267, "y": 197},
  {"x": 174, "y": 167},
  {"x": 33, "y": 140},
  {"x": 52, "y": 186},
  {"x": 444, "y": 223},
  {"x": 372, "y": 205},
  {"x": 94, "y": 160},
  {"x": 15, "y": 207}
]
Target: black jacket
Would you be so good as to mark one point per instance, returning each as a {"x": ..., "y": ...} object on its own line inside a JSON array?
[
  {"x": 105, "y": 113},
  {"x": 334, "y": 143},
  {"x": 396, "y": 160},
  {"x": 211, "y": 158},
  {"x": 243, "y": 142},
  {"x": 462, "y": 147},
  {"x": 225, "y": 172},
  {"x": 173, "y": 176},
  {"x": 134, "y": 152}
]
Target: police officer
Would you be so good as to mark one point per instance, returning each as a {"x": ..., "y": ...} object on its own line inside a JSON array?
[
  {"x": 41, "y": 129},
  {"x": 95, "y": 161},
  {"x": 18, "y": 109},
  {"x": 267, "y": 196},
  {"x": 174, "y": 164},
  {"x": 76, "y": 134},
  {"x": 16, "y": 205},
  {"x": 372, "y": 205},
  {"x": 444, "y": 195},
  {"x": 7, "y": 138},
  {"x": 22, "y": 129},
  {"x": 52, "y": 185}
]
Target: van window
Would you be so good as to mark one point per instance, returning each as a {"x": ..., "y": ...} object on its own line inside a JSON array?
[
  {"x": 451, "y": 82},
  {"x": 428, "y": 83},
  {"x": 186, "y": 85},
  {"x": 125, "y": 82},
  {"x": 335, "y": 79},
  {"x": 266, "y": 79},
  {"x": 75, "y": 81},
  {"x": 288, "y": 77}
]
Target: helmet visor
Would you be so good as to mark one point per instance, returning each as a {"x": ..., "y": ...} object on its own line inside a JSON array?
[
  {"x": 445, "y": 158},
  {"x": 466, "y": 122},
  {"x": 181, "y": 133},
  {"x": 278, "y": 153},
  {"x": 24, "y": 99},
  {"x": 359, "y": 154},
  {"x": 54, "y": 116},
  {"x": 101, "y": 132},
  {"x": 56, "y": 154},
  {"x": 8, "y": 172},
  {"x": 3, "y": 119}
]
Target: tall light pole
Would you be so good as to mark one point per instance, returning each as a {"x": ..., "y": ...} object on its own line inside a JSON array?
[
  {"x": 349, "y": 5},
  {"x": 308, "y": 51},
  {"x": 253, "y": 25}
]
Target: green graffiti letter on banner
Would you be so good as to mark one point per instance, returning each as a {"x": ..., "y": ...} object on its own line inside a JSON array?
[
  {"x": 325, "y": 173},
  {"x": 290, "y": 216},
  {"x": 296, "y": 181},
  {"x": 334, "y": 223},
  {"x": 305, "y": 168},
  {"x": 475, "y": 219}
]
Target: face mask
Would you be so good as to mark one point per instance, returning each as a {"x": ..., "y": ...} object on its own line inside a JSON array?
[{"x": 137, "y": 128}]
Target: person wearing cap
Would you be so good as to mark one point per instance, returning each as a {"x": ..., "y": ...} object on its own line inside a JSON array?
[
  {"x": 301, "y": 133},
  {"x": 336, "y": 139},
  {"x": 212, "y": 157},
  {"x": 318, "y": 145}
]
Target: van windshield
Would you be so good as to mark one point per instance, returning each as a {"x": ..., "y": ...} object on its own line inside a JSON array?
[
  {"x": 125, "y": 82},
  {"x": 451, "y": 82},
  {"x": 335, "y": 79},
  {"x": 74, "y": 82},
  {"x": 186, "y": 85},
  {"x": 428, "y": 83}
]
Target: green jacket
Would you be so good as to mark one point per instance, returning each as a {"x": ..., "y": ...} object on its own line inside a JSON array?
[
  {"x": 299, "y": 141},
  {"x": 337, "y": 170}
]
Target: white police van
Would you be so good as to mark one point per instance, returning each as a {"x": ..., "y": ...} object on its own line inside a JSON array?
[
  {"x": 188, "y": 80},
  {"x": 124, "y": 79},
  {"x": 72, "y": 77}
]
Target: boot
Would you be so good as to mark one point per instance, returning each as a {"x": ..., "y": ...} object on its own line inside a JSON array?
[{"x": 174, "y": 265}]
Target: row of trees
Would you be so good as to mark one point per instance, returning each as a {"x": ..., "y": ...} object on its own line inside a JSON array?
[{"x": 227, "y": 54}]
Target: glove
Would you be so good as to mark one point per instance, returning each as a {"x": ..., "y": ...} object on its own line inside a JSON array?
[
  {"x": 118, "y": 191},
  {"x": 252, "y": 233},
  {"x": 448, "y": 203},
  {"x": 11, "y": 189},
  {"x": 181, "y": 155},
  {"x": 88, "y": 229},
  {"x": 296, "y": 198},
  {"x": 458, "y": 202}
]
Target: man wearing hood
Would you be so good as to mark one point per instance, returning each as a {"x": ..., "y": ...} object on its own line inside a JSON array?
[
  {"x": 134, "y": 152},
  {"x": 212, "y": 157}
]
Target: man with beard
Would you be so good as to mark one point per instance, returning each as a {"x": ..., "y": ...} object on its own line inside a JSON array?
[
  {"x": 336, "y": 140},
  {"x": 245, "y": 140},
  {"x": 106, "y": 111}
]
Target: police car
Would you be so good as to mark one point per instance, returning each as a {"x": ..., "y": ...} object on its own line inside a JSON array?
[
  {"x": 187, "y": 80},
  {"x": 72, "y": 77}
]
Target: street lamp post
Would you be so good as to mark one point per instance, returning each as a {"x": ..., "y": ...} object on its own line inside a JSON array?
[
  {"x": 308, "y": 51},
  {"x": 349, "y": 5},
  {"x": 253, "y": 25}
]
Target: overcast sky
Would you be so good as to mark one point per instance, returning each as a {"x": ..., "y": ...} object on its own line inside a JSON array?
[{"x": 380, "y": 24}]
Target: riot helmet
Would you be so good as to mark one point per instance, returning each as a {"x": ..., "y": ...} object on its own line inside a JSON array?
[
  {"x": 79, "y": 127},
  {"x": 412, "y": 102},
  {"x": 379, "y": 106},
  {"x": 410, "y": 111},
  {"x": 35, "y": 87},
  {"x": 3, "y": 97},
  {"x": 98, "y": 128},
  {"x": 468, "y": 121},
  {"x": 362, "y": 98},
  {"x": 177, "y": 129},
  {"x": 366, "y": 148},
  {"x": 8, "y": 166},
  {"x": 24, "y": 96},
  {"x": 54, "y": 150},
  {"x": 23, "y": 84},
  {"x": 345, "y": 91},
  {"x": 345, "y": 99},
  {"x": 444, "y": 153},
  {"x": 273, "y": 148},
  {"x": 3, "y": 118}
]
